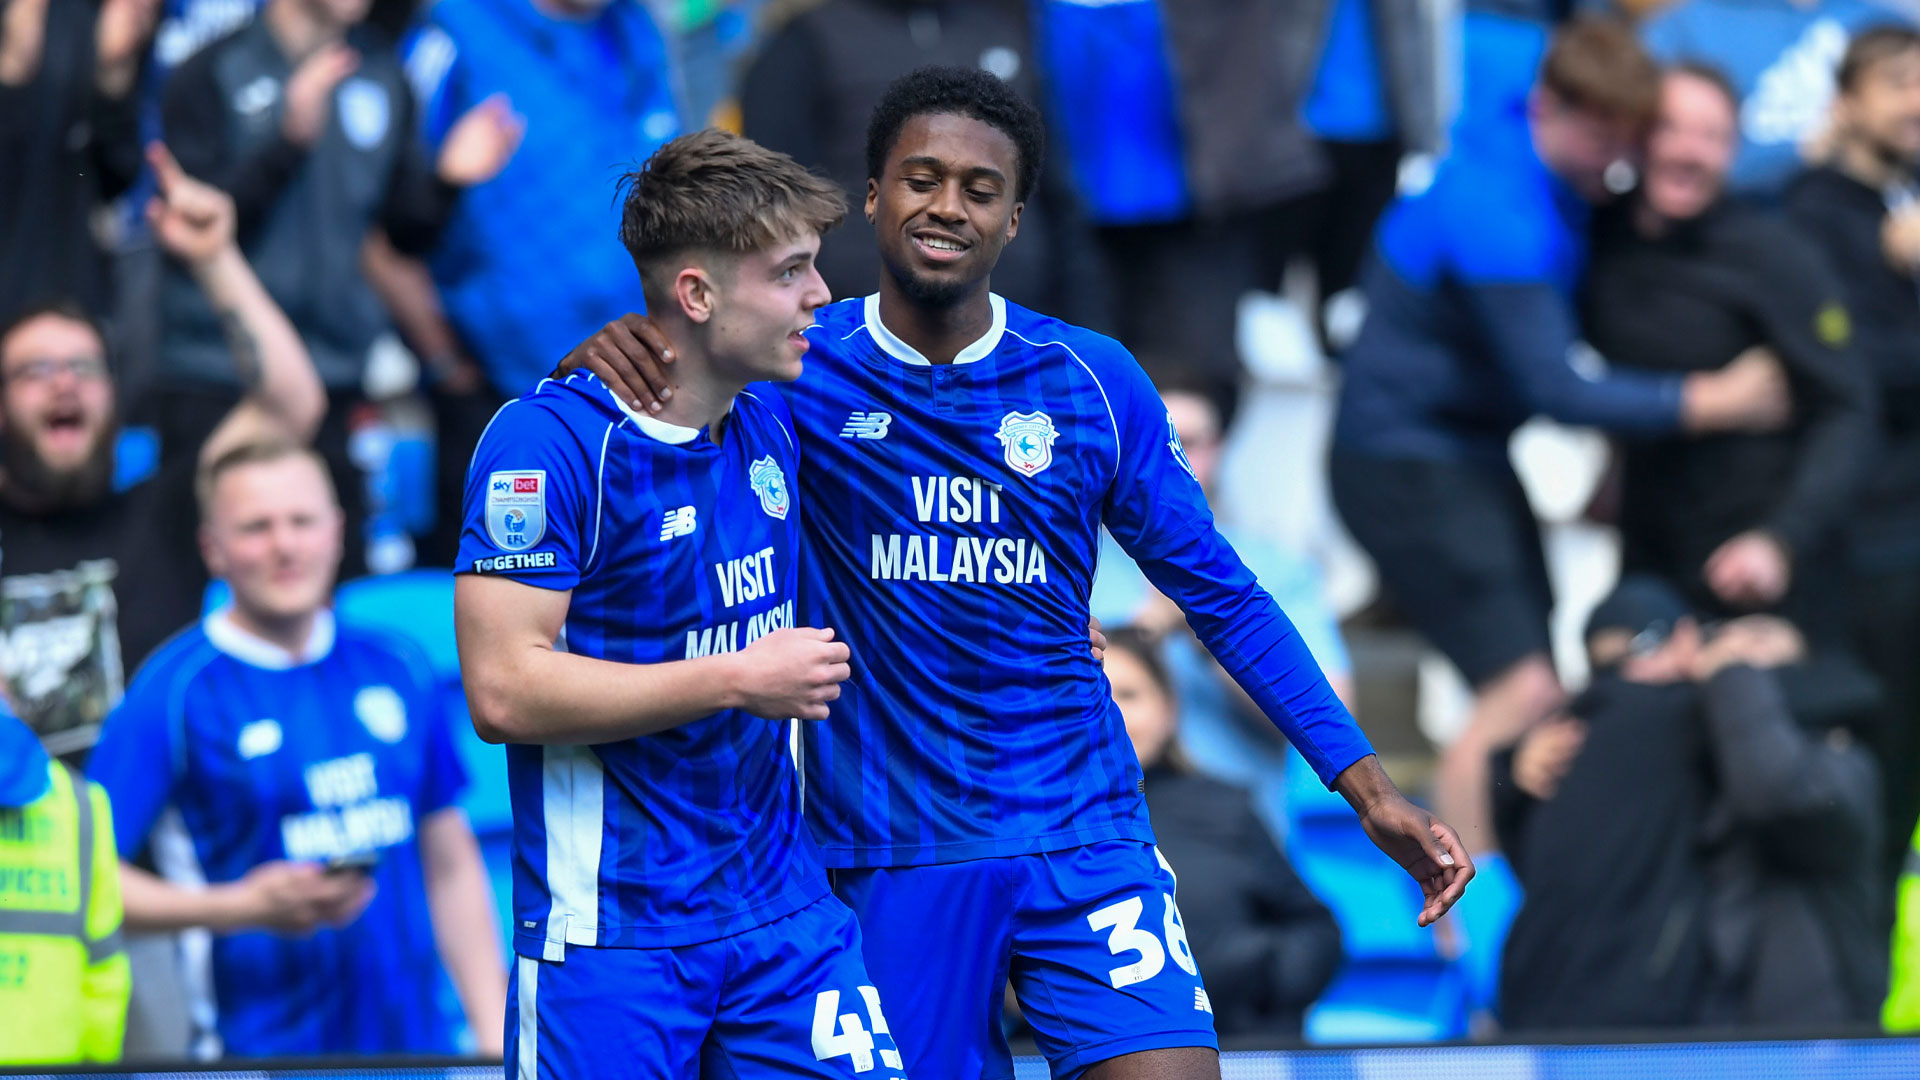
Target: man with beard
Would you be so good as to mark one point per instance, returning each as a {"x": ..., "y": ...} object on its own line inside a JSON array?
[
  {"x": 1860, "y": 209},
  {"x": 91, "y": 579}
]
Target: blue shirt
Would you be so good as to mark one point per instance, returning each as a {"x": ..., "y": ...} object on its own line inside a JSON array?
[
  {"x": 530, "y": 262},
  {"x": 956, "y": 524},
  {"x": 1348, "y": 101},
  {"x": 1781, "y": 56},
  {"x": 1470, "y": 323},
  {"x": 674, "y": 548},
  {"x": 253, "y": 757}
]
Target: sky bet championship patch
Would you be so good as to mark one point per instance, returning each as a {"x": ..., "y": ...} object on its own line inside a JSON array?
[{"x": 517, "y": 508}]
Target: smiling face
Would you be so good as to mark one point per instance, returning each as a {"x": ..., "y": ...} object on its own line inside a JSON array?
[
  {"x": 944, "y": 206},
  {"x": 56, "y": 404},
  {"x": 1882, "y": 109},
  {"x": 1691, "y": 148},
  {"x": 763, "y": 302}
]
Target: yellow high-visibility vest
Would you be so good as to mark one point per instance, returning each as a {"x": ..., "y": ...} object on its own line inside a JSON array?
[
  {"x": 1902, "y": 1009},
  {"x": 63, "y": 970}
]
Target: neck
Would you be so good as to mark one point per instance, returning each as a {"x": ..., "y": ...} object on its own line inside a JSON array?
[
  {"x": 1866, "y": 163},
  {"x": 938, "y": 332},
  {"x": 298, "y": 30},
  {"x": 290, "y": 632},
  {"x": 702, "y": 396}
]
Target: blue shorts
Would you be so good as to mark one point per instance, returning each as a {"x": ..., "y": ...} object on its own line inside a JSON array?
[
  {"x": 790, "y": 998},
  {"x": 1090, "y": 938}
]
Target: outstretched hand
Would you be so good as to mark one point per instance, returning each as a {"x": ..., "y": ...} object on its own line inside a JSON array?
[
  {"x": 631, "y": 356},
  {"x": 193, "y": 220},
  {"x": 1426, "y": 848}
]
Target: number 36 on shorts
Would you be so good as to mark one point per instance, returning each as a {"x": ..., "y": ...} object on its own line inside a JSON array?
[{"x": 1126, "y": 935}]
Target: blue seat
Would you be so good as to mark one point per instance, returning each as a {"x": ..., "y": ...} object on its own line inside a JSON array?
[
  {"x": 1391, "y": 1001},
  {"x": 1482, "y": 917}
]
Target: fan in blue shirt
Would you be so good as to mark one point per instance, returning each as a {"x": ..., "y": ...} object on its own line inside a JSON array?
[
  {"x": 295, "y": 783},
  {"x": 627, "y": 623},
  {"x": 974, "y": 787}
]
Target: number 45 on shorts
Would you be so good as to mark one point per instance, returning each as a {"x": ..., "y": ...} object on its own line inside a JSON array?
[{"x": 842, "y": 1035}]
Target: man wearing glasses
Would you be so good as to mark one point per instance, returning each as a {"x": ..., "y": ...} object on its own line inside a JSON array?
[{"x": 91, "y": 578}]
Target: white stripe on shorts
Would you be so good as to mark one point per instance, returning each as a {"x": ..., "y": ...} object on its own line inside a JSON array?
[{"x": 529, "y": 1057}]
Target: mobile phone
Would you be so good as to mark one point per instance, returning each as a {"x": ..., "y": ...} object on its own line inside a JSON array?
[{"x": 360, "y": 862}]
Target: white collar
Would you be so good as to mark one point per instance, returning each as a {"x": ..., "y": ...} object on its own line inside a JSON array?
[
  {"x": 655, "y": 429},
  {"x": 907, "y": 354},
  {"x": 227, "y": 636}
]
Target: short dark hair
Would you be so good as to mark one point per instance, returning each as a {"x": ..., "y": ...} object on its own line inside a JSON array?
[
  {"x": 1712, "y": 76},
  {"x": 1872, "y": 46},
  {"x": 257, "y": 452},
  {"x": 716, "y": 191},
  {"x": 961, "y": 92},
  {"x": 1596, "y": 64},
  {"x": 63, "y": 307}
]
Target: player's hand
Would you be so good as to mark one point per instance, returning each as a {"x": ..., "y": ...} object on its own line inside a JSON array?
[
  {"x": 1426, "y": 848},
  {"x": 1751, "y": 570},
  {"x": 1098, "y": 639},
  {"x": 299, "y": 898},
  {"x": 631, "y": 356},
  {"x": 309, "y": 92},
  {"x": 791, "y": 673},
  {"x": 480, "y": 143},
  {"x": 193, "y": 221},
  {"x": 1545, "y": 754}
]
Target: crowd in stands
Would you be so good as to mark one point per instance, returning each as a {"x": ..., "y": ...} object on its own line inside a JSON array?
[{"x": 268, "y": 268}]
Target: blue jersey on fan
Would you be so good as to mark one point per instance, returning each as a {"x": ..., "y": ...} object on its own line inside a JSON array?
[
  {"x": 242, "y": 754},
  {"x": 674, "y": 548},
  {"x": 955, "y": 525}
]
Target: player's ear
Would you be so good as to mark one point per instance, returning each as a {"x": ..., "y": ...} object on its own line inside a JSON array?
[
  {"x": 693, "y": 291},
  {"x": 1013, "y": 223},
  {"x": 873, "y": 198},
  {"x": 210, "y": 553}
]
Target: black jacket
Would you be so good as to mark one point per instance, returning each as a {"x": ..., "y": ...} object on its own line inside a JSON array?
[
  {"x": 65, "y": 149},
  {"x": 812, "y": 89},
  {"x": 1264, "y": 944},
  {"x": 1843, "y": 217},
  {"x": 1692, "y": 301},
  {"x": 304, "y": 213}
]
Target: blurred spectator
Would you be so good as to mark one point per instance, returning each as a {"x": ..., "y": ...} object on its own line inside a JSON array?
[
  {"x": 95, "y": 579},
  {"x": 530, "y": 262},
  {"x": 814, "y": 85},
  {"x": 1780, "y": 56},
  {"x": 1374, "y": 98},
  {"x": 1223, "y": 733},
  {"x": 70, "y": 137},
  {"x": 1684, "y": 279},
  {"x": 1267, "y": 945},
  {"x": 63, "y": 966},
  {"x": 1901, "y": 1012},
  {"x": 1860, "y": 209},
  {"x": 1469, "y": 331},
  {"x": 296, "y": 781},
  {"x": 1696, "y": 839},
  {"x": 1183, "y": 125},
  {"x": 309, "y": 123}
]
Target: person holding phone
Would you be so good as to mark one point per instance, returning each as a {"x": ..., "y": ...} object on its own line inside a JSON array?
[{"x": 292, "y": 781}]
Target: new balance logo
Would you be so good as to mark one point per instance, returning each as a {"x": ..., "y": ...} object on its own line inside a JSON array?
[
  {"x": 866, "y": 425},
  {"x": 677, "y": 523},
  {"x": 1201, "y": 1002}
]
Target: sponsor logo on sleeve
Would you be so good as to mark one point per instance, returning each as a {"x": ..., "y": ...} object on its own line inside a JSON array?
[{"x": 516, "y": 512}]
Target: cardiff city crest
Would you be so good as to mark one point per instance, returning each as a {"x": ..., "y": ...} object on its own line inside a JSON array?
[
  {"x": 1027, "y": 440},
  {"x": 517, "y": 508},
  {"x": 771, "y": 485}
]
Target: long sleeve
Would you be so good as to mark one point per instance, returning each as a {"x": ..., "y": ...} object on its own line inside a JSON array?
[
  {"x": 1530, "y": 333},
  {"x": 1813, "y": 801},
  {"x": 193, "y": 120},
  {"x": 1159, "y": 514},
  {"x": 1807, "y": 323}
]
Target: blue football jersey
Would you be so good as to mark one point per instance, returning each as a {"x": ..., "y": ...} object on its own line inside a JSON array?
[
  {"x": 227, "y": 753},
  {"x": 674, "y": 548},
  {"x": 953, "y": 533}
]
